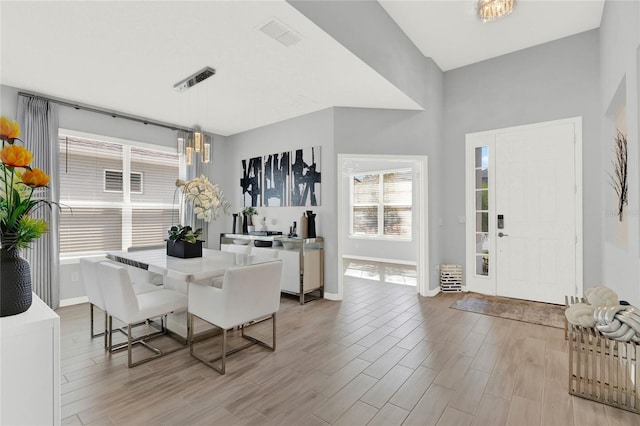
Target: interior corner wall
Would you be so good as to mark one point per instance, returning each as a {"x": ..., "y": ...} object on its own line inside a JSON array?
[
  {"x": 397, "y": 132},
  {"x": 552, "y": 81},
  {"x": 366, "y": 29},
  {"x": 620, "y": 79}
]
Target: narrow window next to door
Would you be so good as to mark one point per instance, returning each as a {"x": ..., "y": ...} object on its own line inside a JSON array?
[{"x": 482, "y": 210}]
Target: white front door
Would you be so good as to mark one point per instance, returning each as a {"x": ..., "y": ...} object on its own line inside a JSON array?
[{"x": 532, "y": 183}]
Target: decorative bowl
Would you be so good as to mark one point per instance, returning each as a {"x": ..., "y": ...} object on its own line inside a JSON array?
[{"x": 241, "y": 242}]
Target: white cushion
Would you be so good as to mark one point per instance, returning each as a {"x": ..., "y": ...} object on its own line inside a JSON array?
[
  {"x": 140, "y": 288},
  {"x": 156, "y": 303},
  {"x": 122, "y": 302}
]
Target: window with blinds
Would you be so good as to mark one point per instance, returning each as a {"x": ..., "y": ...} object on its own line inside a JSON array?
[
  {"x": 381, "y": 204},
  {"x": 113, "y": 181},
  {"x": 109, "y": 210}
]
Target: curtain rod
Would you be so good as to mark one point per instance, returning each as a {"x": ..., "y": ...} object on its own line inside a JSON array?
[{"x": 103, "y": 111}]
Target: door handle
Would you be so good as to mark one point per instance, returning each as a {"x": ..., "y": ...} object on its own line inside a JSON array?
[{"x": 502, "y": 234}]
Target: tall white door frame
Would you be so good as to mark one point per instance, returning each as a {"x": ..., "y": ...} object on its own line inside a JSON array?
[
  {"x": 420, "y": 163},
  {"x": 488, "y": 284}
]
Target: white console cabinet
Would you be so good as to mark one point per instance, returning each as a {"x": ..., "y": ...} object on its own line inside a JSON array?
[
  {"x": 302, "y": 262},
  {"x": 30, "y": 367}
]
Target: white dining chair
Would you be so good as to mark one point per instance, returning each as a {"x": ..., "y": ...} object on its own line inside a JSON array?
[
  {"x": 124, "y": 304},
  {"x": 89, "y": 273},
  {"x": 142, "y": 275},
  {"x": 249, "y": 294},
  {"x": 90, "y": 280}
]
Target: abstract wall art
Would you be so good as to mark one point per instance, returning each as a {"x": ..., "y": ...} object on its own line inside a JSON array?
[
  {"x": 276, "y": 179},
  {"x": 305, "y": 177},
  {"x": 282, "y": 179},
  {"x": 251, "y": 182}
]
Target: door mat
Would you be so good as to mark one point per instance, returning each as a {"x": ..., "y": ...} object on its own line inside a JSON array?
[{"x": 520, "y": 310}]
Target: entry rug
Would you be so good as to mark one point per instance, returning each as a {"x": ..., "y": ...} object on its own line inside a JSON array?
[{"x": 515, "y": 309}]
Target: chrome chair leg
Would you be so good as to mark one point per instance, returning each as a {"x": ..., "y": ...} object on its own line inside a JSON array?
[
  {"x": 109, "y": 330},
  {"x": 106, "y": 318},
  {"x": 224, "y": 353},
  {"x": 91, "y": 320}
]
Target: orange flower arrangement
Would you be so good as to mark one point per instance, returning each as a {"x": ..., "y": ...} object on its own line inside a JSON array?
[{"x": 17, "y": 183}]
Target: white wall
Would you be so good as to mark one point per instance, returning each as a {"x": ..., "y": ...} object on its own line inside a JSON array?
[
  {"x": 555, "y": 80},
  {"x": 619, "y": 56}
]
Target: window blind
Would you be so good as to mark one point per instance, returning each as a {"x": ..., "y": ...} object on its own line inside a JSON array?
[
  {"x": 397, "y": 203},
  {"x": 381, "y": 204},
  {"x": 82, "y": 169},
  {"x": 84, "y": 230},
  {"x": 102, "y": 216},
  {"x": 149, "y": 226},
  {"x": 160, "y": 171}
]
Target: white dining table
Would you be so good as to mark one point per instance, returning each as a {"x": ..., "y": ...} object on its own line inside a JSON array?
[
  {"x": 180, "y": 273},
  {"x": 212, "y": 264}
]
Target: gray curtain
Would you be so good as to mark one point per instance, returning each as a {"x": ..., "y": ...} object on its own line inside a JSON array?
[{"x": 38, "y": 120}]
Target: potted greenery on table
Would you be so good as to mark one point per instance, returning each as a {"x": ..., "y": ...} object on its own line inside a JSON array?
[
  {"x": 183, "y": 242},
  {"x": 248, "y": 213},
  {"x": 202, "y": 199}
]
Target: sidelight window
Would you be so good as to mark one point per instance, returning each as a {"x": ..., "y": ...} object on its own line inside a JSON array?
[{"x": 482, "y": 210}]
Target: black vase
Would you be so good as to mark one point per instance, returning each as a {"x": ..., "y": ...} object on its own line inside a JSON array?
[
  {"x": 15, "y": 283},
  {"x": 311, "y": 224},
  {"x": 245, "y": 224},
  {"x": 235, "y": 221}
]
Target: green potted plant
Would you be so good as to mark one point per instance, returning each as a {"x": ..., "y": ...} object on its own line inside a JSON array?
[
  {"x": 202, "y": 199},
  {"x": 18, "y": 228},
  {"x": 248, "y": 212},
  {"x": 183, "y": 242}
]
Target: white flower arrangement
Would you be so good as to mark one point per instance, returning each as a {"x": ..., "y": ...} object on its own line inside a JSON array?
[{"x": 206, "y": 198}]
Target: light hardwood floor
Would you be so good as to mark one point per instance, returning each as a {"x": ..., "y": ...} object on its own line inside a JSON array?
[{"x": 383, "y": 356}]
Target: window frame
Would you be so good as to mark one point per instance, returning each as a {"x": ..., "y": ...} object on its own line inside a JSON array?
[
  {"x": 112, "y": 191},
  {"x": 380, "y": 206},
  {"x": 126, "y": 205}
]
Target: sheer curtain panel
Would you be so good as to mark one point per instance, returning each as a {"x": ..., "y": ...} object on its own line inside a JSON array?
[{"x": 38, "y": 119}]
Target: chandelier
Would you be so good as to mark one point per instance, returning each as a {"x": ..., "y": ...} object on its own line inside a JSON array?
[
  {"x": 491, "y": 10},
  {"x": 194, "y": 145}
]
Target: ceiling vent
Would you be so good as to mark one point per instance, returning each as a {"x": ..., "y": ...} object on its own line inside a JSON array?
[
  {"x": 194, "y": 79},
  {"x": 280, "y": 32}
]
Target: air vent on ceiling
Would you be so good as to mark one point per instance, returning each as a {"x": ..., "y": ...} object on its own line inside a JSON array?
[
  {"x": 194, "y": 79},
  {"x": 280, "y": 32}
]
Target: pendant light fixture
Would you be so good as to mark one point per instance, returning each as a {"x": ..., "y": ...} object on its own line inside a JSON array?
[
  {"x": 194, "y": 143},
  {"x": 197, "y": 139},
  {"x": 491, "y": 10}
]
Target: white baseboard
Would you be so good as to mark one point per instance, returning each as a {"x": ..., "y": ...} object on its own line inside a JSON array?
[
  {"x": 433, "y": 292},
  {"x": 74, "y": 301},
  {"x": 332, "y": 296},
  {"x": 379, "y": 259}
]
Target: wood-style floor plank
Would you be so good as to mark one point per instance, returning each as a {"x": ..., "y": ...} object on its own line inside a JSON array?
[{"x": 382, "y": 356}]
